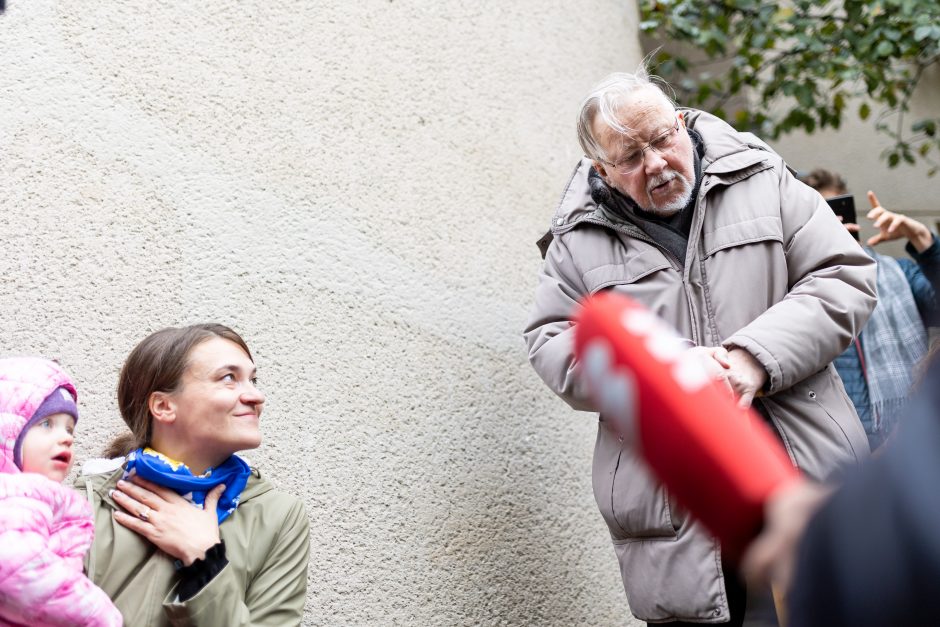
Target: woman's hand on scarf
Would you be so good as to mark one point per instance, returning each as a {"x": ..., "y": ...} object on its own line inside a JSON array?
[{"x": 168, "y": 520}]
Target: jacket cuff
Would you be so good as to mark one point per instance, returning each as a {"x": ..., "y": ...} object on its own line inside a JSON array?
[
  {"x": 194, "y": 577},
  {"x": 931, "y": 251}
]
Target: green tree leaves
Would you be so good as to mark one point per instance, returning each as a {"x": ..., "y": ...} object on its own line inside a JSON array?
[{"x": 809, "y": 60}]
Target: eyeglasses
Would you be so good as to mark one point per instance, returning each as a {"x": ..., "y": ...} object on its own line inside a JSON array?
[{"x": 661, "y": 144}]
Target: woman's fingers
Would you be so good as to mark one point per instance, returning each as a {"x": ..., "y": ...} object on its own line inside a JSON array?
[
  {"x": 873, "y": 199},
  {"x": 890, "y": 225},
  {"x": 177, "y": 528},
  {"x": 136, "y": 509},
  {"x": 133, "y": 523},
  {"x": 212, "y": 498},
  {"x": 140, "y": 494}
]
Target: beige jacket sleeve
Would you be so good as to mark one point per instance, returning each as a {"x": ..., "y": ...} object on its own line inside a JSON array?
[
  {"x": 831, "y": 295},
  {"x": 549, "y": 332}
]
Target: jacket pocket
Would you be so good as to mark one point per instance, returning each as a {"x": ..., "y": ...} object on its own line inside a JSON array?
[
  {"x": 633, "y": 504},
  {"x": 752, "y": 231},
  {"x": 632, "y": 270}
]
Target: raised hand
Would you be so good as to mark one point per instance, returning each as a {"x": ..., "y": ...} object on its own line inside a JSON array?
[{"x": 892, "y": 226}]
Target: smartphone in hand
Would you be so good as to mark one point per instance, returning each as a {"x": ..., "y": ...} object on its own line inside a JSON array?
[{"x": 844, "y": 207}]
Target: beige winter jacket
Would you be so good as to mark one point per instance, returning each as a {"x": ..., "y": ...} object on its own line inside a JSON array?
[
  {"x": 264, "y": 583},
  {"x": 769, "y": 269}
]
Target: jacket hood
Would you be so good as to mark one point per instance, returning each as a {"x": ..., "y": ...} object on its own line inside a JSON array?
[
  {"x": 257, "y": 485},
  {"x": 25, "y": 382},
  {"x": 727, "y": 152},
  {"x": 726, "y": 149}
]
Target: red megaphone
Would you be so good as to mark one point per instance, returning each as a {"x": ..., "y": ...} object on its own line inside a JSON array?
[{"x": 719, "y": 461}]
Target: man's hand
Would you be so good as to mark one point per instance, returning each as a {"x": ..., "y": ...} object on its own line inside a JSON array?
[
  {"x": 745, "y": 375},
  {"x": 893, "y": 226},
  {"x": 715, "y": 360}
]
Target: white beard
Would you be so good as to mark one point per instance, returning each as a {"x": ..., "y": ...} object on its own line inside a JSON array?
[{"x": 674, "y": 206}]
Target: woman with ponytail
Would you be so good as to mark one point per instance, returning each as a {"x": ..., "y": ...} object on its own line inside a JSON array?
[{"x": 186, "y": 532}]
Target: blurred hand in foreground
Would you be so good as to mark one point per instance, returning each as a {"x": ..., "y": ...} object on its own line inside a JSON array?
[{"x": 771, "y": 557}]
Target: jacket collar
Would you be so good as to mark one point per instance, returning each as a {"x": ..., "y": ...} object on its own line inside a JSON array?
[{"x": 729, "y": 156}]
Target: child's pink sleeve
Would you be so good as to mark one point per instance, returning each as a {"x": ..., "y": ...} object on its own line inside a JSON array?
[{"x": 38, "y": 585}]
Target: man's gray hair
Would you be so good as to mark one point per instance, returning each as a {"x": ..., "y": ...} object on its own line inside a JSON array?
[{"x": 606, "y": 100}]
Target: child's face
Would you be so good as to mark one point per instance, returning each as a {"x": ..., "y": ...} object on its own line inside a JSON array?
[{"x": 47, "y": 447}]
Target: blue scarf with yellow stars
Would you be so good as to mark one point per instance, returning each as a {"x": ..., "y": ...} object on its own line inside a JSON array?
[{"x": 169, "y": 473}]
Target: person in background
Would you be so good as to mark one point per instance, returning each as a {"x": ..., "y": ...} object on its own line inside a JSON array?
[
  {"x": 706, "y": 227},
  {"x": 877, "y": 368},
  {"x": 866, "y": 553},
  {"x": 45, "y": 527},
  {"x": 186, "y": 532}
]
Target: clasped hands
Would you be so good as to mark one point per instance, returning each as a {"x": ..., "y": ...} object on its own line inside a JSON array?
[{"x": 737, "y": 369}]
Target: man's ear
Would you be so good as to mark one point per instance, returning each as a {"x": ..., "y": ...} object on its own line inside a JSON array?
[
  {"x": 162, "y": 407},
  {"x": 601, "y": 170}
]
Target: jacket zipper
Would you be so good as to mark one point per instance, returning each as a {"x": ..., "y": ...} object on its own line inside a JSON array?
[{"x": 636, "y": 233}]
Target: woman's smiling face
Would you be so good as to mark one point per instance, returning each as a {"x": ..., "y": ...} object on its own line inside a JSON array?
[{"x": 216, "y": 408}]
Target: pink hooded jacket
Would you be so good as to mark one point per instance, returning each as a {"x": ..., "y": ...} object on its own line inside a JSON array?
[{"x": 45, "y": 527}]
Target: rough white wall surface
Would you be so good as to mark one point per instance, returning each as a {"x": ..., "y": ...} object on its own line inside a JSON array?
[{"x": 356, "y": 187}]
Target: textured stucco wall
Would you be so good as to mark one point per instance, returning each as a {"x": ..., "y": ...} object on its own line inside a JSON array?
[{"x": 356, "y": 187}]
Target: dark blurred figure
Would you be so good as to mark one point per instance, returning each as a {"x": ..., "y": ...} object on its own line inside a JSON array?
[
  {"x": 877, "y": 367},
  {"x": 870, "y": 556}
]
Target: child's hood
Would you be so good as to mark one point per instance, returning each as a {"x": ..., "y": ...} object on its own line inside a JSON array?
[{"x": 25, "y": 382}]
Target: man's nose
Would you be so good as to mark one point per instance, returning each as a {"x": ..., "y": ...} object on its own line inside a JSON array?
[{"x": 653, "y": 162}]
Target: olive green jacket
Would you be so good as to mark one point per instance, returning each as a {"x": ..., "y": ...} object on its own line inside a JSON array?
[{"x": 264, "y": 583}]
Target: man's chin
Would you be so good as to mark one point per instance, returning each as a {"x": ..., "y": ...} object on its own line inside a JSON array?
[
  {"x": 662, "y": 212},
  {"x": 670, "y": 207}
]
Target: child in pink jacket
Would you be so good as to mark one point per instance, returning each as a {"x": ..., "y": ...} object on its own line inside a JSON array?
[{"x": 45, "y": 527}]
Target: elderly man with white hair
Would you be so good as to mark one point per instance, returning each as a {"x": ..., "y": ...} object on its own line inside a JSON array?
[{"x": 708, "y": 228}]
